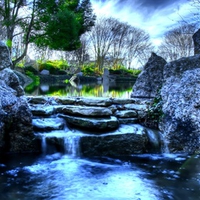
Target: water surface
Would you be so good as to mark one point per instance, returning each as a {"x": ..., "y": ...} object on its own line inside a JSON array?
[
  {"x": 122, "y": 90},
  {"x": 63, "y": 177}
]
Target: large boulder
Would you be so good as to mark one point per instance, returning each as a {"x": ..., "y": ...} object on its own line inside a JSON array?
[
  {"x": 151, "y": 78},
  {"x": 196, "y": 39},
  {"x": 5, "y": 60},
  {"x": 16, "y": 132},
  {"x": 127, "y": 140},
  {"x": 11, "y": 80},
  {"x": 181, "y": 105}
]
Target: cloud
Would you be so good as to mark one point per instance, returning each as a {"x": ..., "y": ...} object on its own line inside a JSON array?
[{"x": 154, "y": 16}]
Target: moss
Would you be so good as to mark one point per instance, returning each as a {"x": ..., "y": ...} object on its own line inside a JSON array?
[{"x": 154, "y": 113}]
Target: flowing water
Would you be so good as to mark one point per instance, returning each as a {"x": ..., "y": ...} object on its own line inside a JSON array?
[{"x": 67, "y": 176}]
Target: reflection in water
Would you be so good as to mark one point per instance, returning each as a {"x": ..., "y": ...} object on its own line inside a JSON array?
[
  {"x": 62, "y": 177},
  {"x": 122, "y": 90}
]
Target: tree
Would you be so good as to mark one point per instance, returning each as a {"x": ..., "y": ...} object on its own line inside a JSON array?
[
  {"x": 178, "y": 42},
  {"x": 137, "y": 46},
  {"x": 81, "y": 55},
  {"x": 57, "y": 24},
  {"x": 117, "y": 42},
  {"x": 60, "y": 24}
]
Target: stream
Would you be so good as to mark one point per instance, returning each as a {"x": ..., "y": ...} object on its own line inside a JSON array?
[{"x": 67, "y": 176}]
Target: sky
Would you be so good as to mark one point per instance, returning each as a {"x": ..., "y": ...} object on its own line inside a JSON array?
[{"x": 154, "y": 16}]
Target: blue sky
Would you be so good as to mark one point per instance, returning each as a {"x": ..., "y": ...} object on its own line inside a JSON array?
[{"x": 154, "y": 16}]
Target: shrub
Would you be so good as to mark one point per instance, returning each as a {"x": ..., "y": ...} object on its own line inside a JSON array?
[
  {"x": 31, "y": 69},
  {"x": 36, "y": 82},
  {"x": 125, "y": 72},
  {"x": 36, "y": 79},
  {"x": 54, "y": 66},
  {"x": 90, "y": 70}
]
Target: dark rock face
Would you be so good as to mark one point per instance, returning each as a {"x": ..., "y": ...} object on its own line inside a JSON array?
[
  {"x": 98, "y": 124},
  {"x": 178, "y": 67},
  {"x": 151, "y": 78},
  {"x": 196, "y": 39},
  {"x": 114, "y": 145},
  {"x": 16, "y": 134},
  {"x": 181, "y": 108},
  {"x": 5, "y": 61},
  {"x": 11, "y": 79}
]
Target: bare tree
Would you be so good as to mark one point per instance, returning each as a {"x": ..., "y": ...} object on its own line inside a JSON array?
[
  {"x": 81, "y": 55},
  {"x": 138, "y": 46},
  {"x": 117, "y": 42},
  {"x": 102, "y": 36},
  {"x": 178, "y": 42}
]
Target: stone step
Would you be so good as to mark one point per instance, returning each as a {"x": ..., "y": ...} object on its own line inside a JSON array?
[
  {"x": 84, "y": 111},
  {"x": 126, "y": 140},
  {"x": 95, "y": 124},
  {"x": 46, "y": 124},
  {"x": 87, "y": 101}
]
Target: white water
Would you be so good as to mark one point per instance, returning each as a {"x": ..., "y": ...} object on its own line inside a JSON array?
[
  {"x": 44, "y": 144},
  {"x": 71, "y": 145}
]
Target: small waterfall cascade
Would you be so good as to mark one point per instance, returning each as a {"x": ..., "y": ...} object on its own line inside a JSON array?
[
  {"x": 60, "y": 141},
  {"x": 44, "y": 144},
  {"x": 76, "y": 127},
  {"x": 157, "y": 142},
  {"x": 71, "y": 145}
]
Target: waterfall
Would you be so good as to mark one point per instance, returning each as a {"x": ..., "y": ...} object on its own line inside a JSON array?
[
  {"x": 157, "y": 141},
  {"x": 71, "y": 145},
  {"x": 62, "y": 142},
  {"x": 44, "y": 144}
]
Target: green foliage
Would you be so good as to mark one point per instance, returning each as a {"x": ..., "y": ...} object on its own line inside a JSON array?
[
  {"x": 66, "y": 81},
  {"x": 125, "y": 72},
  {"x": 90, "y": 70},
  {"x": 20, "y": 64},
  {"x": 31, "y": 69},
  {"x": 36, "y": 79},
  {"x": 57, "y": 67},
  {"x": 155, "y": 112},
  {"x": 9, "y": 43},
  {"x": 36, "y": 82},
  {"x": 60, "y": 24}
]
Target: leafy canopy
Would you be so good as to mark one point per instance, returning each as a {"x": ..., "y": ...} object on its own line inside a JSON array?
[{"x": 60, "y": 23}]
